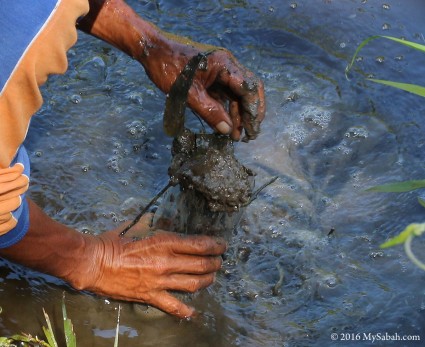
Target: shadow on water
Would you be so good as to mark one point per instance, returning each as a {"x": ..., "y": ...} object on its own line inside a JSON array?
[{"x": 98, "y": 153}]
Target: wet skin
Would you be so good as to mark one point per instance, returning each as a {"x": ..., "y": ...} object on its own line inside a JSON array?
[{"x": 228, "y": 97}]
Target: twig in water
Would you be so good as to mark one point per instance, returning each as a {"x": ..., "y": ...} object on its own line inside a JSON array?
[
  {"x": 145, "y": 209},
  {"x": 255, "y": 194}
]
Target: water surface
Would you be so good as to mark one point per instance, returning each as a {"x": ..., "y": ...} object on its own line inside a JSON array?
[{"x": 98, "y": 153}]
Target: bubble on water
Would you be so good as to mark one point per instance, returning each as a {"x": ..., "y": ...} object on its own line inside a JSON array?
[
  {"x": 113, "y": 164},
  {"x": 344, "y": 149},
  {"x": 376, "y": 254},
  {"x": 76, "y": 99},
  {"x": 135, "y": 97},
  {"x": 98, "y": 62},
  {"x": 85, "y": 168},
  {"x": 275, "y": 233},
  {"x": 386, "y": 6},
  {"x": 136, "y": 129},
  {"x": 293, "y": 5},
  {"x": 380, "y": 59},
  {"x": 292, "y": 97},
  {"x": 331, "y": 281},
  {"x": 399, "y": 58},
  {"x": 296, "y": 133},
  {"x": 38, "y": 153},
  {"x": 359, "y": 59},
  {"x": 386, "y": 26},
  {"x": 317, "y": 116},
  {"x": 347, "y": 306},
  {"x": 342, "y": 45},
  {"x": 357, "y": 132},
  {"x": 271, "y": 9}
]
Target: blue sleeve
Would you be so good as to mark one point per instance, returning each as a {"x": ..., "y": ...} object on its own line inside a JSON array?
[{"x": 22, "y": 212}]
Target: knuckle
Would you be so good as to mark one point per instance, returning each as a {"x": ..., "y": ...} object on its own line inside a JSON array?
[{"x": 194, "y": 285}]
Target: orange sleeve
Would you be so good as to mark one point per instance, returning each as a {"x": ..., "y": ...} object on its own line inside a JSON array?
[
  {"x": 20, "y": 98},
  {"x": 43, "y": 54}
]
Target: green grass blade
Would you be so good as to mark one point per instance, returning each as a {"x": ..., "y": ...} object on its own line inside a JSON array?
[
  {"x": 421, "y": 201},
  {"x": 399, "y": 187},
  {"x": 414, "y": 229},
  {"x": 364, "y": 43},
  {"x": 49, "y": 331},
  {"x": 70, "y": 337},
  {"x": 410, "y": 44},
  {"x": 411, "y": 88}
]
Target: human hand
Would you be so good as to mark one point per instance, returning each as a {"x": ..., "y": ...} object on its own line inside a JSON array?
[
  {"x": 145, "y": 270},
  {"x": 226, "y": 95},
  {"x": 13, "y": 183},
  {"x": 229, "y": 97}
]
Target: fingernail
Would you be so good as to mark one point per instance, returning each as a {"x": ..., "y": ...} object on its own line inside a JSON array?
[{"x": 223, "y": 127}]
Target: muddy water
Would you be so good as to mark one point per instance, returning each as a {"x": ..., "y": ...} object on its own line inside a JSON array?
[{"x": 98, "y": 153}]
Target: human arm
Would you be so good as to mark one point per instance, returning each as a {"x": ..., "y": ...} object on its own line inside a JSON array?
[
  {"x": 226, "y": 95},
  {"x": 120, "y": 268}
]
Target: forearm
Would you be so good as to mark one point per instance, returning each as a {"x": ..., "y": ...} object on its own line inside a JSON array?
[
  {"x": 49, "y": 247},
  {"x": 116, "y": 23}
]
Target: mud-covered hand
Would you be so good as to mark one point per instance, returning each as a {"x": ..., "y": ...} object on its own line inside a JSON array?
[
  {"x": 144, "y": 270},
  {"x": 226, "y": 95}
]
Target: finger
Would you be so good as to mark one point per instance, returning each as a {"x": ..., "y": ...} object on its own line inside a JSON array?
[
  {"x": 236, "y": 120},
  {"x": 195, "y": 265},
  {"x": 10, "y": 205},
  {"x": 250, "y": 93},
  {"x": 170, "y": 304},
  {"x": 7, "y": 223},
  {"x": 191, "y": 245},
  {"x": 19, "y": 182},
  {"x": 11, "y": 173},
  {"x": 210, "y": 110},
  {"x": 253, "y": 112},
  {"x": 13, "y": 193},
  {"x": 188, "y": 283}
]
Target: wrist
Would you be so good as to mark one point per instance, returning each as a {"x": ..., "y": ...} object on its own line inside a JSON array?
[{"x": 88, "y": 257}]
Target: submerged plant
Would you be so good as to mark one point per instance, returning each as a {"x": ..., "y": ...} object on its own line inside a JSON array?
[
  {"x": 70, "y": 338},
  {"x": 415, "y": 229}
]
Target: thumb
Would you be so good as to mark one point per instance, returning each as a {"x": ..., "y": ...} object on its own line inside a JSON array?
[{"x": 210, "y": 110}]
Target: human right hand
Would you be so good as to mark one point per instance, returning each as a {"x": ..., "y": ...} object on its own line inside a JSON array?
[
  {"x": 145, "y": 270},
  {"x": 228, "y": 96}
]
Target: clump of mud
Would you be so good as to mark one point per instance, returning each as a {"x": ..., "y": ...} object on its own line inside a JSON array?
[
  {"x": 206, "y": 163},
  {"x": 208, "y": 193},
  {"x": 210, "y": 187}
]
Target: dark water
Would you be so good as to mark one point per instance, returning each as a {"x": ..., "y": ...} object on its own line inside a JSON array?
[{"x": 98, "y": 153}]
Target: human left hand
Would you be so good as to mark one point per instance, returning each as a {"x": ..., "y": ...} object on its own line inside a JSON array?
[{"x": 146, "y": 269}]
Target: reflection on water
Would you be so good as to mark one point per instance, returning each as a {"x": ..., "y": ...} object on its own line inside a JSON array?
[{"x": 98, "y": 153}]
